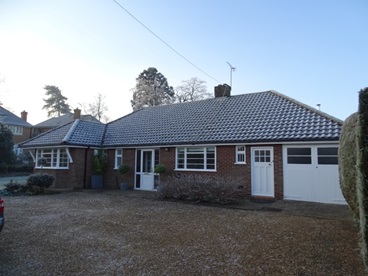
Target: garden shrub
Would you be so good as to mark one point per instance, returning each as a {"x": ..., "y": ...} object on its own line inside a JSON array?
[
  {"x": 13, "y": 187},
  {"x": 201, "y": 188},
  {"x": 41, "y": 181}
]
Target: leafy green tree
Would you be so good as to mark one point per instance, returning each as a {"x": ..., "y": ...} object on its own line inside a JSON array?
[
  {"x": 191, "y": 90},
  {"x": 152, "y": 89},
  {"x": 7, "y": 155},
  {"x": 56, "y": 102}
]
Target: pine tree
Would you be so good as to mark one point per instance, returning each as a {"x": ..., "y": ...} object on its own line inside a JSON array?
[
  {"x": 152, "y": 89},
  {"x": 56, "y": 102}
]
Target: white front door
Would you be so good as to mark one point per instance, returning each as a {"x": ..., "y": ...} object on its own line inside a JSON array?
[
  {"x": 147, "y": 175},
  {"x": 262, "y": 172}
]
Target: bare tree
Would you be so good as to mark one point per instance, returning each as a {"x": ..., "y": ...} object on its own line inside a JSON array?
[
  {"x": 97, "y": 108},
  {"x": 193, "y": 89}
]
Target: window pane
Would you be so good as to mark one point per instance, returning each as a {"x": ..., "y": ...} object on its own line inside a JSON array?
[
  {"x": 299, "y": 151},
  {"x": 47, "y": 154},
  {"x": 138, "y": 181},
  {"x": 299, "y": 160},
  {"x": 327, "y": 160},
  {"x": 138, "y": 165},
  {"x": 327, "y": 151},
  {"x": 63, "y": 162},
  {"x": 157, "y": 156}
]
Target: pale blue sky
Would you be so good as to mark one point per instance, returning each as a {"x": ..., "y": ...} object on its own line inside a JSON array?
[{"x": 313, "y": 51}]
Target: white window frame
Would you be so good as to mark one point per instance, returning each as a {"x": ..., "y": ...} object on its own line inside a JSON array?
[
  {"x": 16, "y": 130},
  {"x": 117, "y": 156},
  {"x": 205, "y": 159},
  {"x": 240, "y": 150},
  {"x": 55, "y": 155}
]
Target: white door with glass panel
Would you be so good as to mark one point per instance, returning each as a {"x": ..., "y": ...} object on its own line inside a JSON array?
[
  {"x": 263, "y": 172},
  {"x": 147, "y": 164}
]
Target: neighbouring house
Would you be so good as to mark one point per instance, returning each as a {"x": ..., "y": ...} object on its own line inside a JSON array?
[
  {"x": 60, "y": 121},
  {"x": 19, "y": 126},
  {"x": 279, "y": 147}
]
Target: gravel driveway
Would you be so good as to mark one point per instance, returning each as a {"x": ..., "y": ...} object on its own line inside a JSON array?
[{"x": 115, "y": 233}]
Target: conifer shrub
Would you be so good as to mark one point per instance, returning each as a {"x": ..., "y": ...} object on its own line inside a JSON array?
[
  {"x": 362, "y": 172},
  {"x": 353, "y": 168},
  {"x": 348, "y": 162}
]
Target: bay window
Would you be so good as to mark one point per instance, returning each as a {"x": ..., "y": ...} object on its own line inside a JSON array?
[{"x": 54, "y": 158}]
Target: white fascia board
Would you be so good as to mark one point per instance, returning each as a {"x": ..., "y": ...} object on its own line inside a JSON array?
[{"x": 32, "y": 155}]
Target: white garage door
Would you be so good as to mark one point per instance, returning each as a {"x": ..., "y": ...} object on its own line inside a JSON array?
[{"x": 311, "y": 174}]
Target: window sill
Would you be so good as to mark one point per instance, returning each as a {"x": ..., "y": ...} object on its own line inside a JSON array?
[
  {"x": 52, "y": 168},
  {"x": 193, "y": 170},
  {"x": 240, "y": 163}
]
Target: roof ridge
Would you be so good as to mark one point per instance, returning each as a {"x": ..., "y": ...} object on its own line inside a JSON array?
[
  {"x": 70, "y": 131},
  {"x": 308, "y": 107}
]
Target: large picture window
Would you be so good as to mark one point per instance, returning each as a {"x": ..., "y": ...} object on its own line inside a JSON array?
[
  {"x": 52, "y": 158},
  {"x": 196, "y": 158}
]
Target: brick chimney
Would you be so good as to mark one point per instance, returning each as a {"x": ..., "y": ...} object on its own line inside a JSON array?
[
  {"x": 222, "y": 90},
  {"x": 77, "y": 113},
  {"x": 23, "y": 115}
]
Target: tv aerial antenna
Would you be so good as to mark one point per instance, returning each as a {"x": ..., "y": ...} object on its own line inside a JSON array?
[{"x": 232, "y": 69}]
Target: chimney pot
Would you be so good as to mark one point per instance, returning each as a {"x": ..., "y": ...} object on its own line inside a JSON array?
[
  {"x": 23, "y": 115},
  {"x": 77, "y": 113},
  {"x": 222, "y": 90}
]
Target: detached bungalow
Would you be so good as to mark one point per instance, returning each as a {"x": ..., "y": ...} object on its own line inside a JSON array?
[{"x": 281, "y": 148}]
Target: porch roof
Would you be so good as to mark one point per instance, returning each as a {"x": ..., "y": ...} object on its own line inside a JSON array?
[{"x": 76, "y": 133}]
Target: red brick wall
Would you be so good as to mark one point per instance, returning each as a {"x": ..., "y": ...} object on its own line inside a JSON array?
[
  {"x": 80, "y": 171},
  {"x": 278, "y": 171},
  {"x": 112, "y": 178},
  {"x": 225, "y": 166},
  {"x": 78, "y": 175}
]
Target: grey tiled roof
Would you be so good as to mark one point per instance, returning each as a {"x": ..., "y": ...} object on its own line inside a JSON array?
[
  {"x": 250, "y": 118},
  {"x": 64, "y": 119},
  {"x": 257, "y": 117},
  {"x": 8, "y": 118},
  {"x": 77, "y": 133}
]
